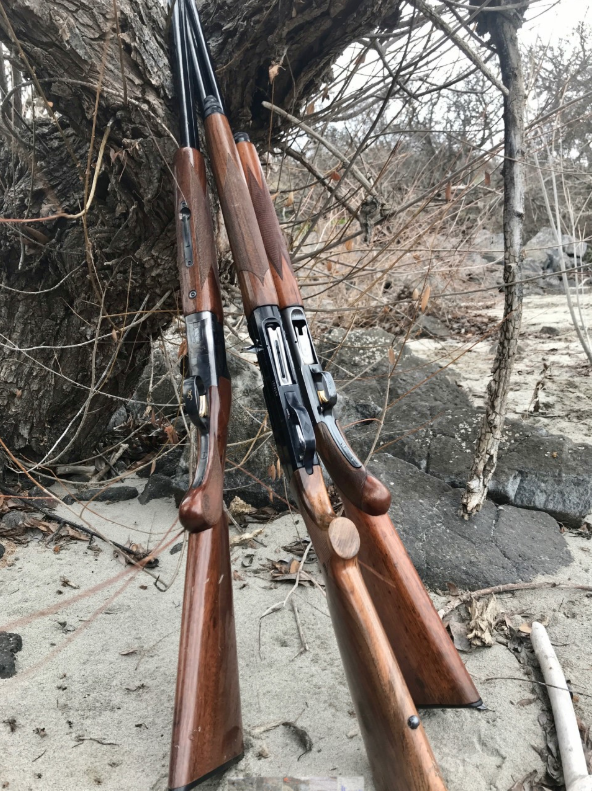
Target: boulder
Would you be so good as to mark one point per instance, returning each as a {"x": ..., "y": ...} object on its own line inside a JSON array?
[
  {"x": 543, "y": 248},
  {"x": 490, "y": 245},
  {"x": 500, "y": 544},
  {"x": 157, "y": 486},
  {"x": 432, "y": 424}
]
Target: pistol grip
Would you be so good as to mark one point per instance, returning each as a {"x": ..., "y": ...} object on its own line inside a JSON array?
[{"x": 364, "y": 491}]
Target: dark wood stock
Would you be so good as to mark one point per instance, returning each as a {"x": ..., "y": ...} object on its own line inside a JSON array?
[
  {"x": 366, "y": 491},
  {"x": 433, "y": 670},
  {"x": 207, "y": 727},
  {"x": 248, "y": 251},
  {"x": 203, "y": 506},
  {"x": 400, "y": 756},
  {"x": 201, "y": 278},
  {"x": 273, "y": 238}
]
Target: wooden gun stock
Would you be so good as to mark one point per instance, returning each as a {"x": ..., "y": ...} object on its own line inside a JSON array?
[
  {"x": 398, "y": 750},
  {"x": 433, "y": 670},
  {"x": 207, "y": 727}
]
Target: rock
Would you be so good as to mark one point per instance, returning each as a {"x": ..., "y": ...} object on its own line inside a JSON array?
[
  {"x": 2, "y": 551},
  {"x": 543, "y": 248},
  {"x": 551, "y": 331},
  {"x": 490, "y": 245},
  {"x": 532, "y": 267},
  {"x": 427, "y": 326},
  {"x": 167, "y": 463},
  {"x": 180, "y": 486},
  {"x": 497, "y": 546},
  {"x": 12, "y": 520},
  {"x": 111, "y": 494},
  {"x": 118, "y": 418},
  {"x": 177, "y": 548},
  {"x": 10, "y": 644},
  {"x": 155, "y": 386},
  {"x": 433, "y": 425},
  {"x": 157, "y": 486}
]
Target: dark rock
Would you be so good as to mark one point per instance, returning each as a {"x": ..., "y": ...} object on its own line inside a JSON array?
[
  {"x": 180, "y": 484},
  {"x": 432, "y": 424},
  {"x": 167, "y": 463},
  {"x": 162, "y": 486},
  {"x": 111, "y": 494},
  {"x": 427, "y": 326},
  {"x": 551, "y": 331},
  {"x": 497, "y": 546},
  {"x": 2, "y": 551},
  {"x": 177, "y": 548},
  {"x": 10, "y": 644}
]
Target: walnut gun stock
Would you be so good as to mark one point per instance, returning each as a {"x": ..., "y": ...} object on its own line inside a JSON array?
[{"x": 207, "y": 726}]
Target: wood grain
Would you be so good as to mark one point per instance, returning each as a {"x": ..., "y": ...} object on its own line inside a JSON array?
[
  {"x": 201, "y": 278},
  {"x": 202, "y": 507},
  {"x": 248, "y": 251},
  {"x": 433, "y": 669},
  {"x": 400, "y": 756},
  {"x": 207, "y": 725},
  {"x": 273, "y": 238},
  {"x": 367, "y": 492}
]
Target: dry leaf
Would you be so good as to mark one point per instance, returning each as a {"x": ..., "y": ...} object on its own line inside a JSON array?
[
  {"x": 487, "y": 178},
  {"x": 334, "y": 175},
  {"x": 274, "y": 70},
  {"x": 310, "y": 109},
  {"x": 361, "y": 59},
  {"x": 172, "y": 436},
  {"x": 484, "y": 614},
  {"x": 237, "y": 576},
  {"x": 459, "y": 635},
  {"x": 129, "y": 652},
  {"x": 415, "y": 294},
  {"x": 294, "y": 566},
  {"x": 182, "y": 349},
  {"x": 392, "y": 356},
  {"x": 453, "y": 589},
  {"x": 448, "y": 192},
  {"x": 349, "y": 245},
  {"x": 244, "y": 538},
  {"x": 525, "y": 628},
  {"x": 289, "y": 200},
  {"x": 274, "y": 196},
  {"x": 329, "y": 266},
  {"x": 279, "y": 468},
  {"x": 271, "y": 471},
  {"x": 425, "y": 298}
]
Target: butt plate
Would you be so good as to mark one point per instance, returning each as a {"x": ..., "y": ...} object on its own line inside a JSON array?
[{"x": 214, "y": 773}]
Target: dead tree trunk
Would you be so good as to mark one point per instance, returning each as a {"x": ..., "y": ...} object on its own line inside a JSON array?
[
  {"x": 503, "y": 28},
  {"x": 75, "y": 296}
]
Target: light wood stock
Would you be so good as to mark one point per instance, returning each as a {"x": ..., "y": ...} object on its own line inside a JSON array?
[
  {"x": 398, "y": 750},
  {"x": 433, "y": 670},
  {"x": 250, "y": 259},
  {"x": 207, "y": 727},
  {"x": 271, "y": 232}
]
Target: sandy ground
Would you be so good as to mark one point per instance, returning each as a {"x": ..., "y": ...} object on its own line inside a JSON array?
[
  {"x": 566, "y": 401},
  {"x": 93, "y": 694}
]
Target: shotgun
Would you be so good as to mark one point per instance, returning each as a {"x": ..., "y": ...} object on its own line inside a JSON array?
[
  {"x": 431, "y": 665},
  {"x": 398, "y": 750},
  {"x": 207, "y": 727}
]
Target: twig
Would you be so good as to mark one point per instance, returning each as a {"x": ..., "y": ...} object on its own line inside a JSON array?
[
  {"x": 304, "y": 647},
  {"x": 357, "y": 174},
  {"x": 508, "y": 588},
  {"x": 437, "y": 20}
]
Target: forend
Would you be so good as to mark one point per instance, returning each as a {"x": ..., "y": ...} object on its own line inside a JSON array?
[{"x": 290, "y": 421}]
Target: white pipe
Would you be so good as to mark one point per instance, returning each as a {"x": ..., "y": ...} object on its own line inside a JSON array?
[{"x": 575, "y": 771}]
